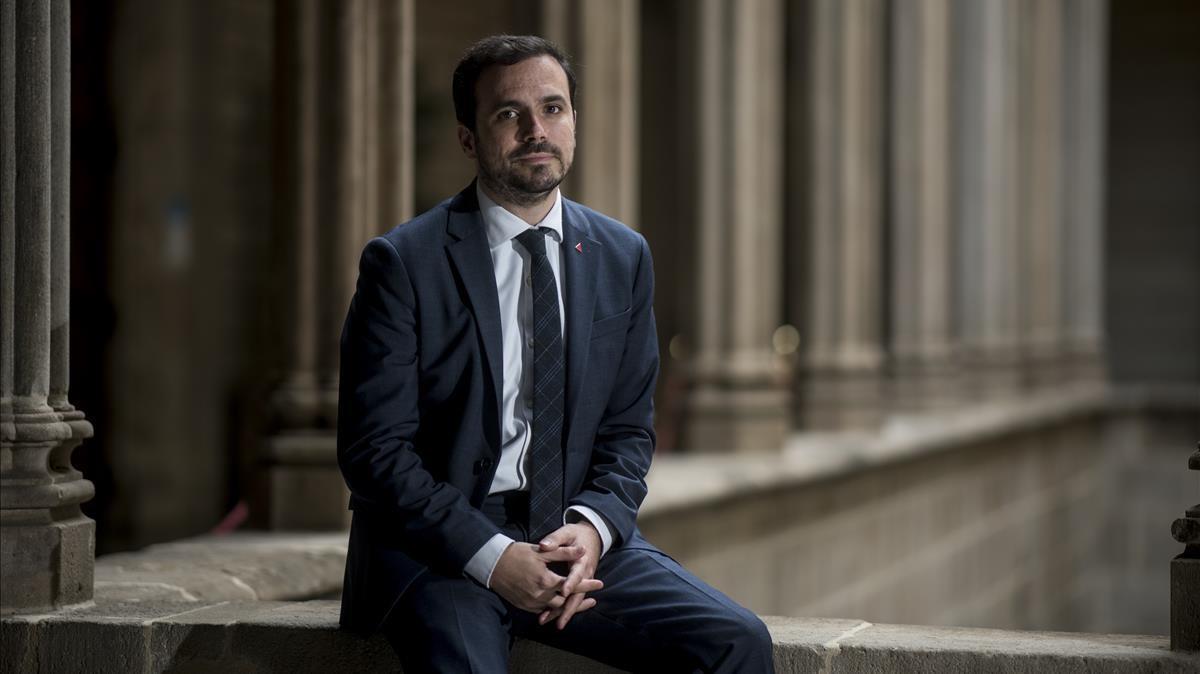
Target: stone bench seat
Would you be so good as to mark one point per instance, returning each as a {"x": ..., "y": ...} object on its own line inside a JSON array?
[{"x": 301, "y": 637}]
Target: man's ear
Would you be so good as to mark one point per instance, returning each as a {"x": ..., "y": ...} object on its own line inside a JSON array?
[{"x": 466, "y": 140}]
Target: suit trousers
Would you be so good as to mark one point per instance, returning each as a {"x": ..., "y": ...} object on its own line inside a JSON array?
[{"x": 652, "y": 615}]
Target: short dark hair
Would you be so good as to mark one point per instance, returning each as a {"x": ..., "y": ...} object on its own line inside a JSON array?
[{"x": 504, "y": 50}]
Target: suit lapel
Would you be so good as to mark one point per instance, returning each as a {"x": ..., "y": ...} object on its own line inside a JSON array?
[
  {"x": 472, "y": 260},
  {"x": 580, "y": 257}
]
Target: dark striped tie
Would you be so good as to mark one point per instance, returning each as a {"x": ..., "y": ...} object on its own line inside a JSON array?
[{"x": 545, "y": 447}]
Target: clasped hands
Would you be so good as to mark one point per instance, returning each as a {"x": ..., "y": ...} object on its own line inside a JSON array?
[{"x": 523, "y": 575}]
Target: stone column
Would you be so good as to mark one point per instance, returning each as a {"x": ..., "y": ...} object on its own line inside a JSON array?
[
  {"x": 922, "y": 273},
  {"x": 47, "y": 546},
  {"x": 603, "y": 39},
  {"x": 1083, "y": 188},
  {"x": 737, "y": 395},
  {"x": 843, "y": 356},
  {"x": 985, "y": 195},
  {"x": 345, "y": 119},
  {"x": 1185, "y": 576},
  {"x": 1042, "y": 191}
]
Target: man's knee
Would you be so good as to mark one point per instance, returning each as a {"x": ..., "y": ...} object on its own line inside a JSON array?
[
  {"x": 443, "y": 624},
  {"x": 749, "y": 640}
]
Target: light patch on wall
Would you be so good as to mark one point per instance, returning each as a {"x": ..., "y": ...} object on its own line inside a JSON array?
[
  {"x": 786, "y": 340},
  {"x": 177, "y": 239}
]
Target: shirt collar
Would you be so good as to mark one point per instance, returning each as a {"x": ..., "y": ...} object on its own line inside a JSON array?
[{"x": 502, "y": 226}]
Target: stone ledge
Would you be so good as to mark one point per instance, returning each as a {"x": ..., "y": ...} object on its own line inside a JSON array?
[
  {"x": 681, "y": 482},
  {"x": 237, "y": 566},
  {"x": 302, "y": 637}
]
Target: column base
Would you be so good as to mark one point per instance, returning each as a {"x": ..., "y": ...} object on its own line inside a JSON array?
[
  {"x": 1185, "y": 603},
  {"x": 47, "y": 566},
  {"x": 307, "y": 492},
  {"x": 924, "y": 385},
  {"x": 735, "y": 420},
  {"x": 838, "y": 400},
  {"x": 1084, "y": 363},
  {"x": 1044, "y": 365},
  {"x": 990, "y": 373}
]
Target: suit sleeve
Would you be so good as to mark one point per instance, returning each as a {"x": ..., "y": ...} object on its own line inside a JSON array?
[
  {"x": 378, "y": 417},
  {"x": 616, "y": 482}
]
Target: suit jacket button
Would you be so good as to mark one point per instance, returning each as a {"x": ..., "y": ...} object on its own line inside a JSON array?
[{"x": 482, "y": 466}]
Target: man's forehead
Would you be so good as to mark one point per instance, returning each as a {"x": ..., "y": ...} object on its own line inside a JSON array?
[{"x": 538, "y": 77}]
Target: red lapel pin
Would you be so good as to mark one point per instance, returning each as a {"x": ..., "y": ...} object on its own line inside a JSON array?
[{"x": 579, "y": 247}]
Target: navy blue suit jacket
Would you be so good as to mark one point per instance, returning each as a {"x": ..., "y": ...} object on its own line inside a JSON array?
[{"x": 421, "y": 381}]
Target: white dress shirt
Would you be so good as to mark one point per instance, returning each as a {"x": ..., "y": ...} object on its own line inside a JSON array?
[{"x": 514, "y": 274}]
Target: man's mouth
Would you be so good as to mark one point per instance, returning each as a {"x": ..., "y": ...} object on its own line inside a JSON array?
[{"x": 536, "y": 153}]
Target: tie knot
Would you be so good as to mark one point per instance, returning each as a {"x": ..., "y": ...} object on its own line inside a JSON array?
[{"x": 534, "y": 240}]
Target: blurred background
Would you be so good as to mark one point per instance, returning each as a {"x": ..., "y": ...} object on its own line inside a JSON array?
[{"x": 928, "y": 275}]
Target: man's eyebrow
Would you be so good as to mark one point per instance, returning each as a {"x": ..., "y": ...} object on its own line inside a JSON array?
[
  {"x": 510, "y": 103},
  {"x": 514, "y": 103}
]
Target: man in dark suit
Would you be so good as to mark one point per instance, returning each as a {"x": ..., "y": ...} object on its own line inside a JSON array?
[{"x": 495, "y": 425}]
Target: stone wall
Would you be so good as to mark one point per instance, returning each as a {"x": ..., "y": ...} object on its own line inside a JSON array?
[{"x": 1051, "y": 513}]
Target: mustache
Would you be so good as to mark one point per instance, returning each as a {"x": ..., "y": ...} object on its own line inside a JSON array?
[{"x": 537, "y": 148}]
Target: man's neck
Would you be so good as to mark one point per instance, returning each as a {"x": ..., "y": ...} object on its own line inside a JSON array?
[{"x": 532, "y": 213}]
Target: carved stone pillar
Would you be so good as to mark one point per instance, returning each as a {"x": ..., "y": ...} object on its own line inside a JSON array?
[
  {"x": 737, "y": 397},
  {"x": 1042, "y": 190},
  {"x": 603, "y": 39},
  {"x": 345, "y": 119},
  {"x": 985, "y": 198},
  {"x": 922, "y": 274},
  {"x": 47, "y": 546},
  {"x": 843, "y": 356},
  {"x": 1083, "y": 186},
  {"x": 1185, "y": 576}
]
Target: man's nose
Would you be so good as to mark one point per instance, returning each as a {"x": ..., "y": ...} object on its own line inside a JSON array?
[{"x": 533, "y": 129}]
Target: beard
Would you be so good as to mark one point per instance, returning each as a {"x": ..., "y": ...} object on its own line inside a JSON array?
[{"x": 524, "y": 184}]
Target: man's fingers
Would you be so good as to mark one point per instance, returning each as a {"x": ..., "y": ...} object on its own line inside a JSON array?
[
  {"x": 550, "y": 614},
  {"x": 588, "y": 585},
  {"x": 573, "y": 579},
  {"x": 567, "y": 553},
  {"x": 568, "y": 610}
]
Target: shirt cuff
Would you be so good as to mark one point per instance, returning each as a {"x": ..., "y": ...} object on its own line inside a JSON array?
[
  {"x": 596, "y": 520},
  {"x": 483, "y": 562}
]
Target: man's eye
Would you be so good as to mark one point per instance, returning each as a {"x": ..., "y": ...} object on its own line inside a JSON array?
[
  {"x": 554, "y": 109},
  {"x": 507, "y": 114}
]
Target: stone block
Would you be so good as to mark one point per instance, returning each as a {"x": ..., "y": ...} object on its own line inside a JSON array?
[
  {"x": 19, "y": 644},
  {"x": 93, "y": 646},
  {"x": 801, "y": 644},
  {"x": 308, "y": 498},
  {"x": 1185, "y": 604},
  {"x": 304, "y": 638},
  {"x": 46, "y": 566},
  {"x": 905, "y": 648},
  {"x": 111, "y": 638},
  {"x": 198, "y": 640}
]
